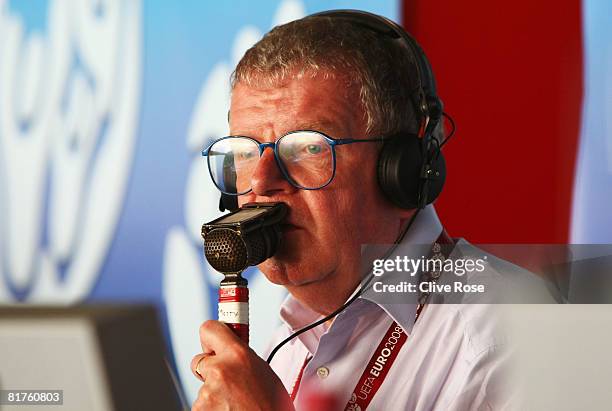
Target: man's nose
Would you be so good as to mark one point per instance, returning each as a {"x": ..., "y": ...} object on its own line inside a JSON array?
[{"x": 267, "y": 178}]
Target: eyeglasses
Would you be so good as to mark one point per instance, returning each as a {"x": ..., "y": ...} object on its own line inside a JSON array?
[{"x": 307, "y": 159}]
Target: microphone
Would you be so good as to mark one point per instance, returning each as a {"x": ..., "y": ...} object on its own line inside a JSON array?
[{"x": 233, "y": 242}]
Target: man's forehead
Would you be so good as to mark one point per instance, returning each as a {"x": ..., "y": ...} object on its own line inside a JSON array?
[{"x": 323, "y": 104}]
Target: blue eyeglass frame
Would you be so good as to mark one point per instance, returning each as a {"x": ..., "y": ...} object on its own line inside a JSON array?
[{"x": 333, "y": 142}]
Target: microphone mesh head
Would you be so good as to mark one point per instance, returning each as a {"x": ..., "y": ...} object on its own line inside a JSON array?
[
  {"x": 228, "y": 251},
  {"x": 257, "y": 247},
  {"x": 225, "y": 250}
]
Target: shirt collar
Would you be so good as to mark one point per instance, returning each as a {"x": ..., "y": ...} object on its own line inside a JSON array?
[
  {"x": 425, "y": 229},
  {"x": 296, "y": 316}
]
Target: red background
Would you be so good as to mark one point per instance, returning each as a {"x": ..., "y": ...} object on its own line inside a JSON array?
[{"x": 510, "y": 74}]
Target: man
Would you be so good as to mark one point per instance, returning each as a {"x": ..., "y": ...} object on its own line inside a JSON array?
[{"x": 342, "y": 81}]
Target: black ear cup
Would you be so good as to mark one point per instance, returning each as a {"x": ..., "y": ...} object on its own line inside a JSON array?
[{"x": 405, "y": 176}]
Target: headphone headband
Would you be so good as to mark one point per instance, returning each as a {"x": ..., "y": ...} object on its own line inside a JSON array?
[{"x": 427, "y": 101}]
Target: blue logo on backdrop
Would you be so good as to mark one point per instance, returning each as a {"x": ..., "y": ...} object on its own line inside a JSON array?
[
  {"x": 104, "y": 108},
  {"x": 69, "y": 101}
]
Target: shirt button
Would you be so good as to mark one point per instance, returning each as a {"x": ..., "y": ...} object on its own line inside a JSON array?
[{"x": 322, "y": 372}]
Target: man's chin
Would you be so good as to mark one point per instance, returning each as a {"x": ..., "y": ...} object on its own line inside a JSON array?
[
  {"x": 275, "y": 272},
  {"x": 281, "y": 274}
]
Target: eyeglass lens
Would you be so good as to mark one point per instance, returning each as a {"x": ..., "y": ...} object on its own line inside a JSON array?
[{"x": 306, "y": 159}]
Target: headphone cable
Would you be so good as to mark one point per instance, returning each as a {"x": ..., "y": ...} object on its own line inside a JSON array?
[{"x": 452, "y": 122}]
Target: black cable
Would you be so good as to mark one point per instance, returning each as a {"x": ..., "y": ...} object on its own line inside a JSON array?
[
  {"x": 450, "y": 119},
  {"x": 350, "y": 301}
]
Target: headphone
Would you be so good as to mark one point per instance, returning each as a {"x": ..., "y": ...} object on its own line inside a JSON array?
[{"x": 411, "y": 168}]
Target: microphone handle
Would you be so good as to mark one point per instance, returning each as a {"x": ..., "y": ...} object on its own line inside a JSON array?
[{"x": 234, "y": 309}]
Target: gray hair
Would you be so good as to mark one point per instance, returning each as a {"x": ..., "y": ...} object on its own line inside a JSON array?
[{"x": 382, "y": 69}]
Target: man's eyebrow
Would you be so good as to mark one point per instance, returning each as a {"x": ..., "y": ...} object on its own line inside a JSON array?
[
  {"x": 324, "y": 125},
  {"x": 319, "y": 125}
]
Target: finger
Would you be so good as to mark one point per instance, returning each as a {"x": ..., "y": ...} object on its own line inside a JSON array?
[
  {"x": 198, "y": 366},
  {"x": 216, "y": 337}
]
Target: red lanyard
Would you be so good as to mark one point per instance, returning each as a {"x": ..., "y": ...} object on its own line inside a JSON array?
[
  {"x": 296, "y": 386},
  {"x": 383, "y": 358},
  {"x": 377, "y": 369}
]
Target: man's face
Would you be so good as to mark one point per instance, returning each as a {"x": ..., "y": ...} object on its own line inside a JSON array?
[{"x": 324, "y": 228}]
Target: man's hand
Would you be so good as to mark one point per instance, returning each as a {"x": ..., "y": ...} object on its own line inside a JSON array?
[{"x": 235, "y": 378}]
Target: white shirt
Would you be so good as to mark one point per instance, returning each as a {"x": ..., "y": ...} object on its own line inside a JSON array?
[{"x": 452, "y": 359}]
